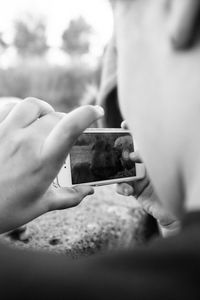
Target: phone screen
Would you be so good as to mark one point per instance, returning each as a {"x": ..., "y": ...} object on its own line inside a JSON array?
[{"x": 102, "y": 156}]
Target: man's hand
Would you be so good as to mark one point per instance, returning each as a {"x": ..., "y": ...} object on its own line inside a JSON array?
[
  {"x": 35, "y": 141},
  {"x": 145, "y": 194}
]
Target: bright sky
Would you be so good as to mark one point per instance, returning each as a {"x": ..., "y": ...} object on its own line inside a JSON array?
[{"x": 58, "y": 13}]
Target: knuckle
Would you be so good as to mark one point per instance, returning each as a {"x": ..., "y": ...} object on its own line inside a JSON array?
[
  {"x": 12, "y": 143},
  {"x": 19, "y": 139},
  {"x": 76, "y": 200},
  {"x": 33, "y": 102},
  {"x": 87, "y": 107},
  {"x": 57, "y": 116},
  {"x": 50, "y": 119},
  {"x": 37, "y": 103},
  {"x": 23, "y": 143}
]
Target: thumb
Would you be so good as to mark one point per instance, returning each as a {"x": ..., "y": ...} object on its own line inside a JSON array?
[
  {"x": 60, "y": 140},
  {"x": 124, "y": 125},
  {"x": 135, "y": 156},
  {"x": 62, "y": 198}
]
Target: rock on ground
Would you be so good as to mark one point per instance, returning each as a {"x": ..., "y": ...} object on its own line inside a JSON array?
[{"x": 104, "y": 221}]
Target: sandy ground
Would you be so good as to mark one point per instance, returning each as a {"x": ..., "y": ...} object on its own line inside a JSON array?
[{"x": 104, "y": 221}]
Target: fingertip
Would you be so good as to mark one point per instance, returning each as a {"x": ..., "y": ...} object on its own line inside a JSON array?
[
  {"x": 119, "y": 188},
  {"x": 99, "y": 110},
  {"x": 128, "y": 190},
  {"x": 124, "y": 125},
  {"x": 90, "y": 191},
  {"x": 94, "y": 109},
  {"x": 133, "y": 155},
  {"x": 124, "y": 189}
]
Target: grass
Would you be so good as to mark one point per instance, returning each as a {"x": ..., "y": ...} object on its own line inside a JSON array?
[{"x": 62, "y": 87}]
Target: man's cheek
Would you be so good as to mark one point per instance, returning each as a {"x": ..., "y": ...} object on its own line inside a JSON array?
[{"x": 138, "y": 94}]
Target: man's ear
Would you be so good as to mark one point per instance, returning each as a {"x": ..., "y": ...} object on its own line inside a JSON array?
[{"x": 184, "y": 23}]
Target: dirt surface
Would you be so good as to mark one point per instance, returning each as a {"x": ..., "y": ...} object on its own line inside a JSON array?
[{"x": 101, "y": 222}]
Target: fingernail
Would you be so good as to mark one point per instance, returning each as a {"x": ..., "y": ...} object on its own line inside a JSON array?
[
  {"x": 126, "y": 192},
  {"x": 124, "y": 125},
  {"x": 99, "y": 110},
  {"x": 24, "y": 237}
]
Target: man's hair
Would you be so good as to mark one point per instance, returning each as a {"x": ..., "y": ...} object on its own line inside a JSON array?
[
  {"x": 123, "y": 1},
  {"x": 114, "y": 2}
]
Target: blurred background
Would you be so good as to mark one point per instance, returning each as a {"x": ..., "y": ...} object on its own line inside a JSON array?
[{"x": 53, "y": 49}]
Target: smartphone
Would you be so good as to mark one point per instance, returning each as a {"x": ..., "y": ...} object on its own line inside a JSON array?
[{"x": 100, "y": 157}]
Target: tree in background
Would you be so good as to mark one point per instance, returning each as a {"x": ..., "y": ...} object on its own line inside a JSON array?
[
  {"x": 30, "y": 36},
  {"x": 63, "y": 86},
  {"x": 3, "y": 44},
  {"x": 76, "y": 38}
]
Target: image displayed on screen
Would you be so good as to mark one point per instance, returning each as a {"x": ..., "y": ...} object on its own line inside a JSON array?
[{"x": 101, "y": 156}]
